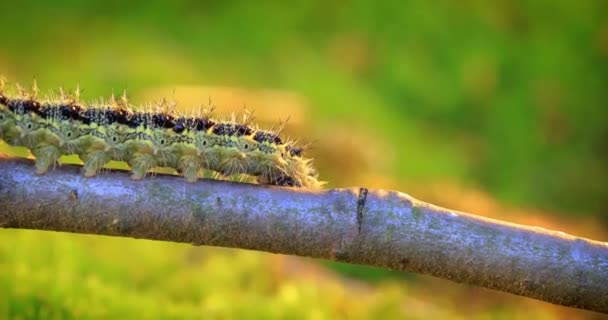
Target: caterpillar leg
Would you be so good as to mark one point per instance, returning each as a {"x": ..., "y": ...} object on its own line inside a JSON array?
[
  {"x": 9, "y": 135},
  {"x": 31, "y": 140},
  {"x": 46, "y": 155},
  {"x": 141, "y": 164},
  {"x": 189, "y": 167},
  {"x": 233, "y": 163},
  {"x": 94, "y": 162},
  {"x": 209, "y": 160}
]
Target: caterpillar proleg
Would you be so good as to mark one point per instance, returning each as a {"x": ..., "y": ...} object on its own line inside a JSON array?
[{"x": 148, "y": 138}]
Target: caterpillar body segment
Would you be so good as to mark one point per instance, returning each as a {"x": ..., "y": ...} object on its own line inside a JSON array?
[{"x": 8, "y": 130}]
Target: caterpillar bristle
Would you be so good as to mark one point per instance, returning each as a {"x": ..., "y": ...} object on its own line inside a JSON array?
[
  {"x": 2, "y": 84},
  {"x": 77, "y": 93},
  {"x": 21, "y": 90},
  {"x": 35, "y": 90},
  {"x": 157, "y": 136}
]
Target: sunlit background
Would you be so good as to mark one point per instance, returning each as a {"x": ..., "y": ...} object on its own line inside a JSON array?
[{"x": 497, "y": 108}]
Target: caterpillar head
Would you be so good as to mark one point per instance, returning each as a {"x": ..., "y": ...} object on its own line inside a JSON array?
[
  {"x": 300, "y": 171},
  {"x": 294, "y": 151}
]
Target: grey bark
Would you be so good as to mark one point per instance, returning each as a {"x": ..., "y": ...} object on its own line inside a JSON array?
[{"x": 371, "y": 227}]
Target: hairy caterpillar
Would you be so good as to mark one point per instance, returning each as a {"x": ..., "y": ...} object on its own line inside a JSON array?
[{"x": 149, "y": 139}]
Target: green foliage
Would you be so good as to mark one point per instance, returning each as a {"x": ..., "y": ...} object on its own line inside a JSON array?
[
  {"x": 62, "y": 276},
  {"x": 507, "y": 96}
]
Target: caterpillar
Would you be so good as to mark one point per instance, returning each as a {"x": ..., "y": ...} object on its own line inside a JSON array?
[{"x": 148, "y": 138}]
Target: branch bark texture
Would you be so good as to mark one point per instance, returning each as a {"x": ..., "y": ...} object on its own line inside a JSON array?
[{"x": 372, "y": 227}]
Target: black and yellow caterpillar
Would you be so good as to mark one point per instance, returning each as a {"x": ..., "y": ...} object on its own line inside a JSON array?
[{"x": 149, "y": 139}]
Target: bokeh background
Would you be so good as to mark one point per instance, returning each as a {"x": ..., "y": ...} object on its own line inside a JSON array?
[{"x": 497, "y": 108}]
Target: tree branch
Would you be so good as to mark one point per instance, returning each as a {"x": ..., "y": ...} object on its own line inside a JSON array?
[{"x": 380, "y": 228}]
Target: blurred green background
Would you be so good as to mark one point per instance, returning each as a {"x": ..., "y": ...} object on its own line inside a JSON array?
[{"x": 498, "y": 108}]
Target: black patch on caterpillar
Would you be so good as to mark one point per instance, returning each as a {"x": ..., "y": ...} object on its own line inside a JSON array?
[
  {"x": 231, "y": 129},
  {"x": 44, "y": 111},
  {"x": 137, "y": 120},
  {"x": 262, "y": 136},
  {"x": 89, "y": 115},
  {"x": 224, "y": 129},
  {"x": 163, "y": 120},
  {"x": 14, "y": 105},
  {"x": 244, "y": 130},
  {"x": 11, "y": 104},
  {"x": 190, "y": 123},
  {"x": 179, "y": 125},
  {"x": 203, "y": 124},
  {"x": 101, "y": 116},
  {"x": 285, "y": 181},
  {"x": 71, "y": 111},
  {"x": 30, "y": 106},
  {"x": 122, "y": 116},
  {"x": 293, "y": 151},
  {"x": 20, "y": 106},
  {"x": 110, "y": 116}
]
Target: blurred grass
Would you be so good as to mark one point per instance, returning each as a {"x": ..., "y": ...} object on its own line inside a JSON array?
[
  {"x": 63, "y": 276},
  {"x": 505, "y": 97}
]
